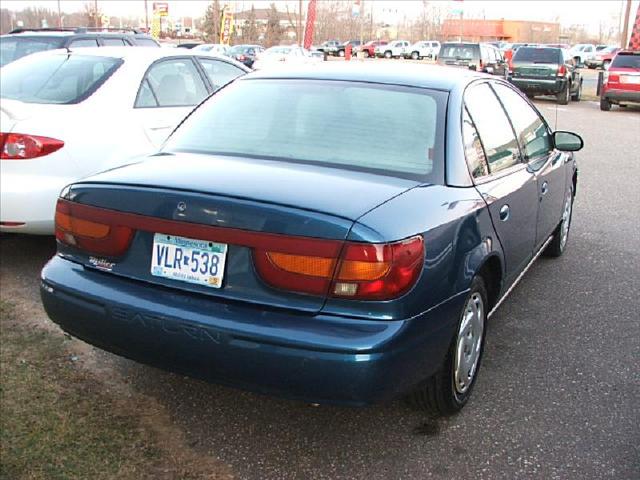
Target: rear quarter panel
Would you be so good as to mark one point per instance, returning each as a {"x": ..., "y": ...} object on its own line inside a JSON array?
[{"x": 458, "y": 236}]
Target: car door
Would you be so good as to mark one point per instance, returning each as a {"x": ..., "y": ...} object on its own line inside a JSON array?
[
  {"x": 169, "y": 90},
  {"x": 505, "y": 182},
  {"x": 547, "y": 164}
]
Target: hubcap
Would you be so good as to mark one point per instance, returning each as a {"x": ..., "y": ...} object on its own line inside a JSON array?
[
  {"x": 566, "y": 222},
  {"x": 469, "y": 343}
]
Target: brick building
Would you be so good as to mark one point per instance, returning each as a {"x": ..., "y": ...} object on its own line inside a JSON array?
[{"x": 479, "y": 30}]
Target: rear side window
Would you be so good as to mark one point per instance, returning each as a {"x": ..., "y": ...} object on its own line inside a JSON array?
[
  {"x": 500, "y": 145},
  {"x": 13, "y": 48},
  {"x": 473, "y": 151},
  {"x": 220, "y": 73},
  {"x": 173, "y": 83},
  {"x": 113, "y": 42},
  {"x": 60, "y": 79},
  {"x": 145, "y": 42},
  {"x": 538, "y": 55},
  {"x": 396, "y": 131},
  {"x": 463, "y": 52},
  {"x": 626, "y": 60}
]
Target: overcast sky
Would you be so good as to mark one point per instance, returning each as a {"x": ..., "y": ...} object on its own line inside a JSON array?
[{"x": 586, "y": 12}]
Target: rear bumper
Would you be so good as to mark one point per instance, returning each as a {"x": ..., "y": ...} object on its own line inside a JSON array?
[
  {"x": 31, "y": 200},
  {"x": 622, "y": 95},
  {"x": 318, "y": 358},
  {"x": 539, "y": 85}
]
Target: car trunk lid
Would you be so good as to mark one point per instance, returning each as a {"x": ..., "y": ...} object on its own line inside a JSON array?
[{"x": 243, "y": 204}]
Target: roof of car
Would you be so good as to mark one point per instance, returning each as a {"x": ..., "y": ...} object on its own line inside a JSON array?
[
  {"x": 139, "y": 53},
  {"x": 426, "y": 76}
]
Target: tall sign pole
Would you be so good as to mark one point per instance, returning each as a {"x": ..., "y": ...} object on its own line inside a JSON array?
[
  {"x": 310, "y": 23},
  {"x": 625, "y": 26}
]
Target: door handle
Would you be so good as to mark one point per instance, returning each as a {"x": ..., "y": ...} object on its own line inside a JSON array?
[
  {"x": 504, "y": 213},
  {"x": 545, "y": 188}
]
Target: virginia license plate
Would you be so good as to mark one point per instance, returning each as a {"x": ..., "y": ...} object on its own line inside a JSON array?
[{"x": 188, "y": 260}]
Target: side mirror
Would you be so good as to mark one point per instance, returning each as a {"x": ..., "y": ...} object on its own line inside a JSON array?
[{"x": 567, "y": 141}]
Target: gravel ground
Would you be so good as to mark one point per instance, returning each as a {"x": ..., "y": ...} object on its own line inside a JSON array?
[{"x": 558, "y": 393}]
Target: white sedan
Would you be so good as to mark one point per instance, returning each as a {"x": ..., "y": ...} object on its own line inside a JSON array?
[
  {"x": 68, "y": 114},
  {"x": 277, "y": 56}
]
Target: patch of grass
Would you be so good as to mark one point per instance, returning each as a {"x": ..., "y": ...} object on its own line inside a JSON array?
[{"x": 57, "y": 422}]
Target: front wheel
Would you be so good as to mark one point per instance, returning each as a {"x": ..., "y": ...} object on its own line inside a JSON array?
[
  {"x": 605, "y": 64},
  {"x": 387, "y": 54},
  {"x": 558, "y": 245},
  {"x": 449, "y": 389},
  {"x": 341, "y": 53},
  {"x": 366, "y": 53},
  {"x": 415, "y": 56}
]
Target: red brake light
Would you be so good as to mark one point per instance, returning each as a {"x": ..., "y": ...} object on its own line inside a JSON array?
[
  {"x": 363, "y": 271},
  {"x": 562, "y": 69},
  {"x": 20, "y": 146},
  {"x": 75, "y": 226}
]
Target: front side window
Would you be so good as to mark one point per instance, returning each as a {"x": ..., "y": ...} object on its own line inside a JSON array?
[
  {"x": 84, "y": 42},
  {"x": 174, "y": 83},
  {"x": 219, "y": 73},
  {"x": 532, "y": 132},
  {"x": 61, "y": 79},
  {"x": 500, "y": 145},
  {"x": 389, "y": 130},
  {"x": 113, "y": 42}
]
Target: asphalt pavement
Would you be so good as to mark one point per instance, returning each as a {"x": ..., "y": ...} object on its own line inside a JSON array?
[{"x": 558, "y": 392}]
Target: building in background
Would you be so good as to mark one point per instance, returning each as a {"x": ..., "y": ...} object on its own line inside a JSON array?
[{"x": 480, "y": 30}]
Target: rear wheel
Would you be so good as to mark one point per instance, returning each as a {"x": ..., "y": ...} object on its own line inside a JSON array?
[
  {"x": 449, "y": 389},
  {"x": 341, "y": 53},
  {"x": 366, "y": 53},
  {"x": 605, "y": 104},
  {"x": 563, "y": 96},
  {"x": 561, "y": 235},
  {"x": 578, "y": 95},
  {"x": 415, "y": 56},
  {"x": 387, "y": 54}
]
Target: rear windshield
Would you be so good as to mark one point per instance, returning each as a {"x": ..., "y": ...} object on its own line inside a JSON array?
[
  {"x": 391, "y": 130},
  {"x": 462, "y": 52},
  {"x": 538, "y": 55},
  {"x": 12, "y": 48},
  {"x": 627, "y": 60},
  {"x": 59, "y": 79}
]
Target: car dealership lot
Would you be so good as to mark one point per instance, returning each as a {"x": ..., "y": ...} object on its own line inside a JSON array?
[{"x": 557, "y": 394}]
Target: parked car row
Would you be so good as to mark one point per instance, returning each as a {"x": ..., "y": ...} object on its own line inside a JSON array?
[{"x": 383, "y": 48}]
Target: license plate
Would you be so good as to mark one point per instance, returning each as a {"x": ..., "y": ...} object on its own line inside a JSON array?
[
  {"x": 634, "y": 79},
  {"x": 188, "y": 260}
]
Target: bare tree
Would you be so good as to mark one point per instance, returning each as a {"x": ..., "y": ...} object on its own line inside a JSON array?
[
  {"x": 250, "y": 28},
  {"x": 211, "y": 22},
  {"x": 273, "y": 34}
]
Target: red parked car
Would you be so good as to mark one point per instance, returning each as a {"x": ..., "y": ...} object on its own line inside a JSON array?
[
  {"x": 602, "y": 58},
  {"x": 621, "y": 83},
  {"x": 369, "y": 47}
]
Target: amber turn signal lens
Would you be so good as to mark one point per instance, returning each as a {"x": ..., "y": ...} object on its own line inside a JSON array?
[
  {"x": 83, "y": 228},
  {"x": 302, "y": 264}
]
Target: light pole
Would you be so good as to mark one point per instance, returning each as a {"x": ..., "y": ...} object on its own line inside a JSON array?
[
  {"x": 59, "y": 15},
  {"x": 146, "y": 15},
  {"x": 625, "y": 26}
]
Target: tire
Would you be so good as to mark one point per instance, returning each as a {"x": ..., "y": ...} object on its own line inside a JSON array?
[
  {"x": 578, "y": 95},
  {"x": 387, "y": 54},
  {"x": 605, "y": 104},
  {"x": 366, "y": 53},
  {"x": 530, "y": 96},
  {"x": 415, "y": 56},
  {"x": 605, "y": 64},
  {"x": 561, "y": 234},
  {"x": 591, "y": 67},
  {"x": 341, "y": 53},
  {"x": 443, "y": 394},
  {"x": 563, "y": 96}
]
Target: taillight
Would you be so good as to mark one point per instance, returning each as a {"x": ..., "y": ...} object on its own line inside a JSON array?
[
  {"x": 20, "y": 146},
  {"x": 362, "y": 271},
  {"x": 613, "y": 78},
  {"x": 562, "y": 70},
  {"x": 242, "y": 58},
  {"x": 74, "y": 226}
]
